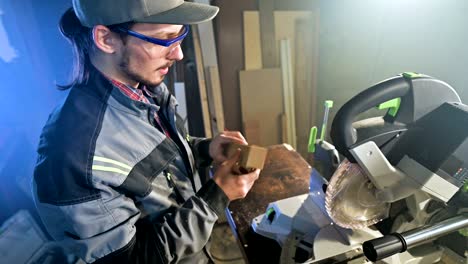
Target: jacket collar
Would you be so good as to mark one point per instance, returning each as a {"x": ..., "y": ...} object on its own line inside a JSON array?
[{"x": 101, "y": 86}]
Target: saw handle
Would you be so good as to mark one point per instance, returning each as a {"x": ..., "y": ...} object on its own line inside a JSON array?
[
  {"x": 386, "y": 246},
  {"x": 342, "y": 133}
]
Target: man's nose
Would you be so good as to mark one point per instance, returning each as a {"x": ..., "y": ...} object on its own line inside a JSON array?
[{"x": 176, "y": 53}]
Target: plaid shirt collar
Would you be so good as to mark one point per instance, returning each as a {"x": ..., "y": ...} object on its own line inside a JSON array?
[
  {"x": 133, "y": 93},
  {"x": 139, "y": 95},
  {"x": 142, "y": 94}
]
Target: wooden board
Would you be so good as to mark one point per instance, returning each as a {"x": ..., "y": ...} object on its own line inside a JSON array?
[
  {"x": 202, "y": 83},
  {"x": 252, "y": 46},
  {"x": 285, "y": 27},
  {"x": 261, "y": 104},
  {"x": 252, "y": 129},
  {"x": 302, "y": 28},
  {"x": 230, "y": 47},
  {"x": 210, "y": 62},
  {"x": 288, "y": 92},
  {"x": 267, "y": 25},
  {"x": 305, "y": 79},
  {"x": 179, "y": 92},
  {"x": 207, "y": 40},
  {"x": 215, "y": 100}
]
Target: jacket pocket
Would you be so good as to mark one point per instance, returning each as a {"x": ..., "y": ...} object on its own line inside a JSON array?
[{"x": 140, "y": 179}]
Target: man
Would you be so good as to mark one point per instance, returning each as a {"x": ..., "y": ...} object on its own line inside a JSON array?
[{"x": 116, "y": 178}]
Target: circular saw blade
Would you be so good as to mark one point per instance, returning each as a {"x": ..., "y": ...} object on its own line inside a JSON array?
[{"x": 351, "y": 199}]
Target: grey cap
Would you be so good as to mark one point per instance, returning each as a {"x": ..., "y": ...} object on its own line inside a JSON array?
[{"x": 109, "y": 12}]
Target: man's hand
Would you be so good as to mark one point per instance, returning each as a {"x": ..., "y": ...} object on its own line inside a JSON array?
[
  {"x": 235, "y": 186},
  {"x": 219, "y": 143}
]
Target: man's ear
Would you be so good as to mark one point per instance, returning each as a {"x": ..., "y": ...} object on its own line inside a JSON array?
[{"x": 106, "y": 40}]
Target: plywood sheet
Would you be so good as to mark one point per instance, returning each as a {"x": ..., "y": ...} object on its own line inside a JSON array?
[{"x": 261, "y": 103}]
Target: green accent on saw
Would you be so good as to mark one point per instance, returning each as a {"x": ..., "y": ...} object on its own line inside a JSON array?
[
  {"x": 463, "y": 232},
  {"x": 270, "y": 214},
  {"x": 322, "y": 133},
  {"x": 270, "y": 210},
  {"x": 412, "y": 75},
  {"x": 393, "y": 105},
  {"x": 328, "y": 104},
  {"x": 312, "y": 138}
]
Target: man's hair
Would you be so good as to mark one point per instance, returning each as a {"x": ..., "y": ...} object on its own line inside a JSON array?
[{"x": 81, "y": 39}]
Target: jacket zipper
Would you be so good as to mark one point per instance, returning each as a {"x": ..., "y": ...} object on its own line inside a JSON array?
[
  {"x": 180, "y": 199},
  {"x": 187, "y": 168},
  {"x": 183, "y": 154}
]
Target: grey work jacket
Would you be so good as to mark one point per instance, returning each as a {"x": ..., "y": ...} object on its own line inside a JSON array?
[{"x": 103, "y": 166}]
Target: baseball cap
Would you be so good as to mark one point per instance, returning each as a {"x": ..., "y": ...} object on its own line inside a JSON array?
[{"x": 109, "y": 12}]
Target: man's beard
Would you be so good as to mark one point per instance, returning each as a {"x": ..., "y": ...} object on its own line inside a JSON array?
[{"x": 124, "y": 66}]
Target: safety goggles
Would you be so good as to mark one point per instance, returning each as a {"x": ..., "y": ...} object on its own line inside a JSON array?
[{"x": 161, "y": 42}]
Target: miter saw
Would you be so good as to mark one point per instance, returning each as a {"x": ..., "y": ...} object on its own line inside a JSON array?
[{"x": 401, "y": 193}]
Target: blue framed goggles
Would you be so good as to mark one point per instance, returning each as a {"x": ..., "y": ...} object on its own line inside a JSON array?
[{"x": 161, "y": 42}]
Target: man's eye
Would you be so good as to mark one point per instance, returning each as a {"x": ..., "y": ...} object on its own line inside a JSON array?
[
  {"x": 172, "y": 36},
  {"x": 163, "y": 37}
]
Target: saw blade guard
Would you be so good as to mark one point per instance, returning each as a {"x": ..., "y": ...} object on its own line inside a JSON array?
[
  {"x": 355, "y": 195},
  {"x": 414, "y": 103},
  {"x": 351, "y": 199}
]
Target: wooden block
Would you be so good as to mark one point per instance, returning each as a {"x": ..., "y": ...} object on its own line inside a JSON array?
[{"x": 251, "y": 157}]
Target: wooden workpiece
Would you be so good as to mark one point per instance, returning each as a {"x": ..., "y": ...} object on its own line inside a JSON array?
[{"x": 251, "y": 157}]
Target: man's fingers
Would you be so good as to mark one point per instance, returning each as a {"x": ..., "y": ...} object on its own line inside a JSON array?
[
  {"x": 257, "y": 174},
  {"x": 235, "y": 136},
  {"x": 252, "y": 176},
  {"x": 233, "y": 159},
  {"x": 228, "y": 140}
]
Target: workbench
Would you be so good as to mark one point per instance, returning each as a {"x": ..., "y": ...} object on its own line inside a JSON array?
[{"x": 284, "y": 175}]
